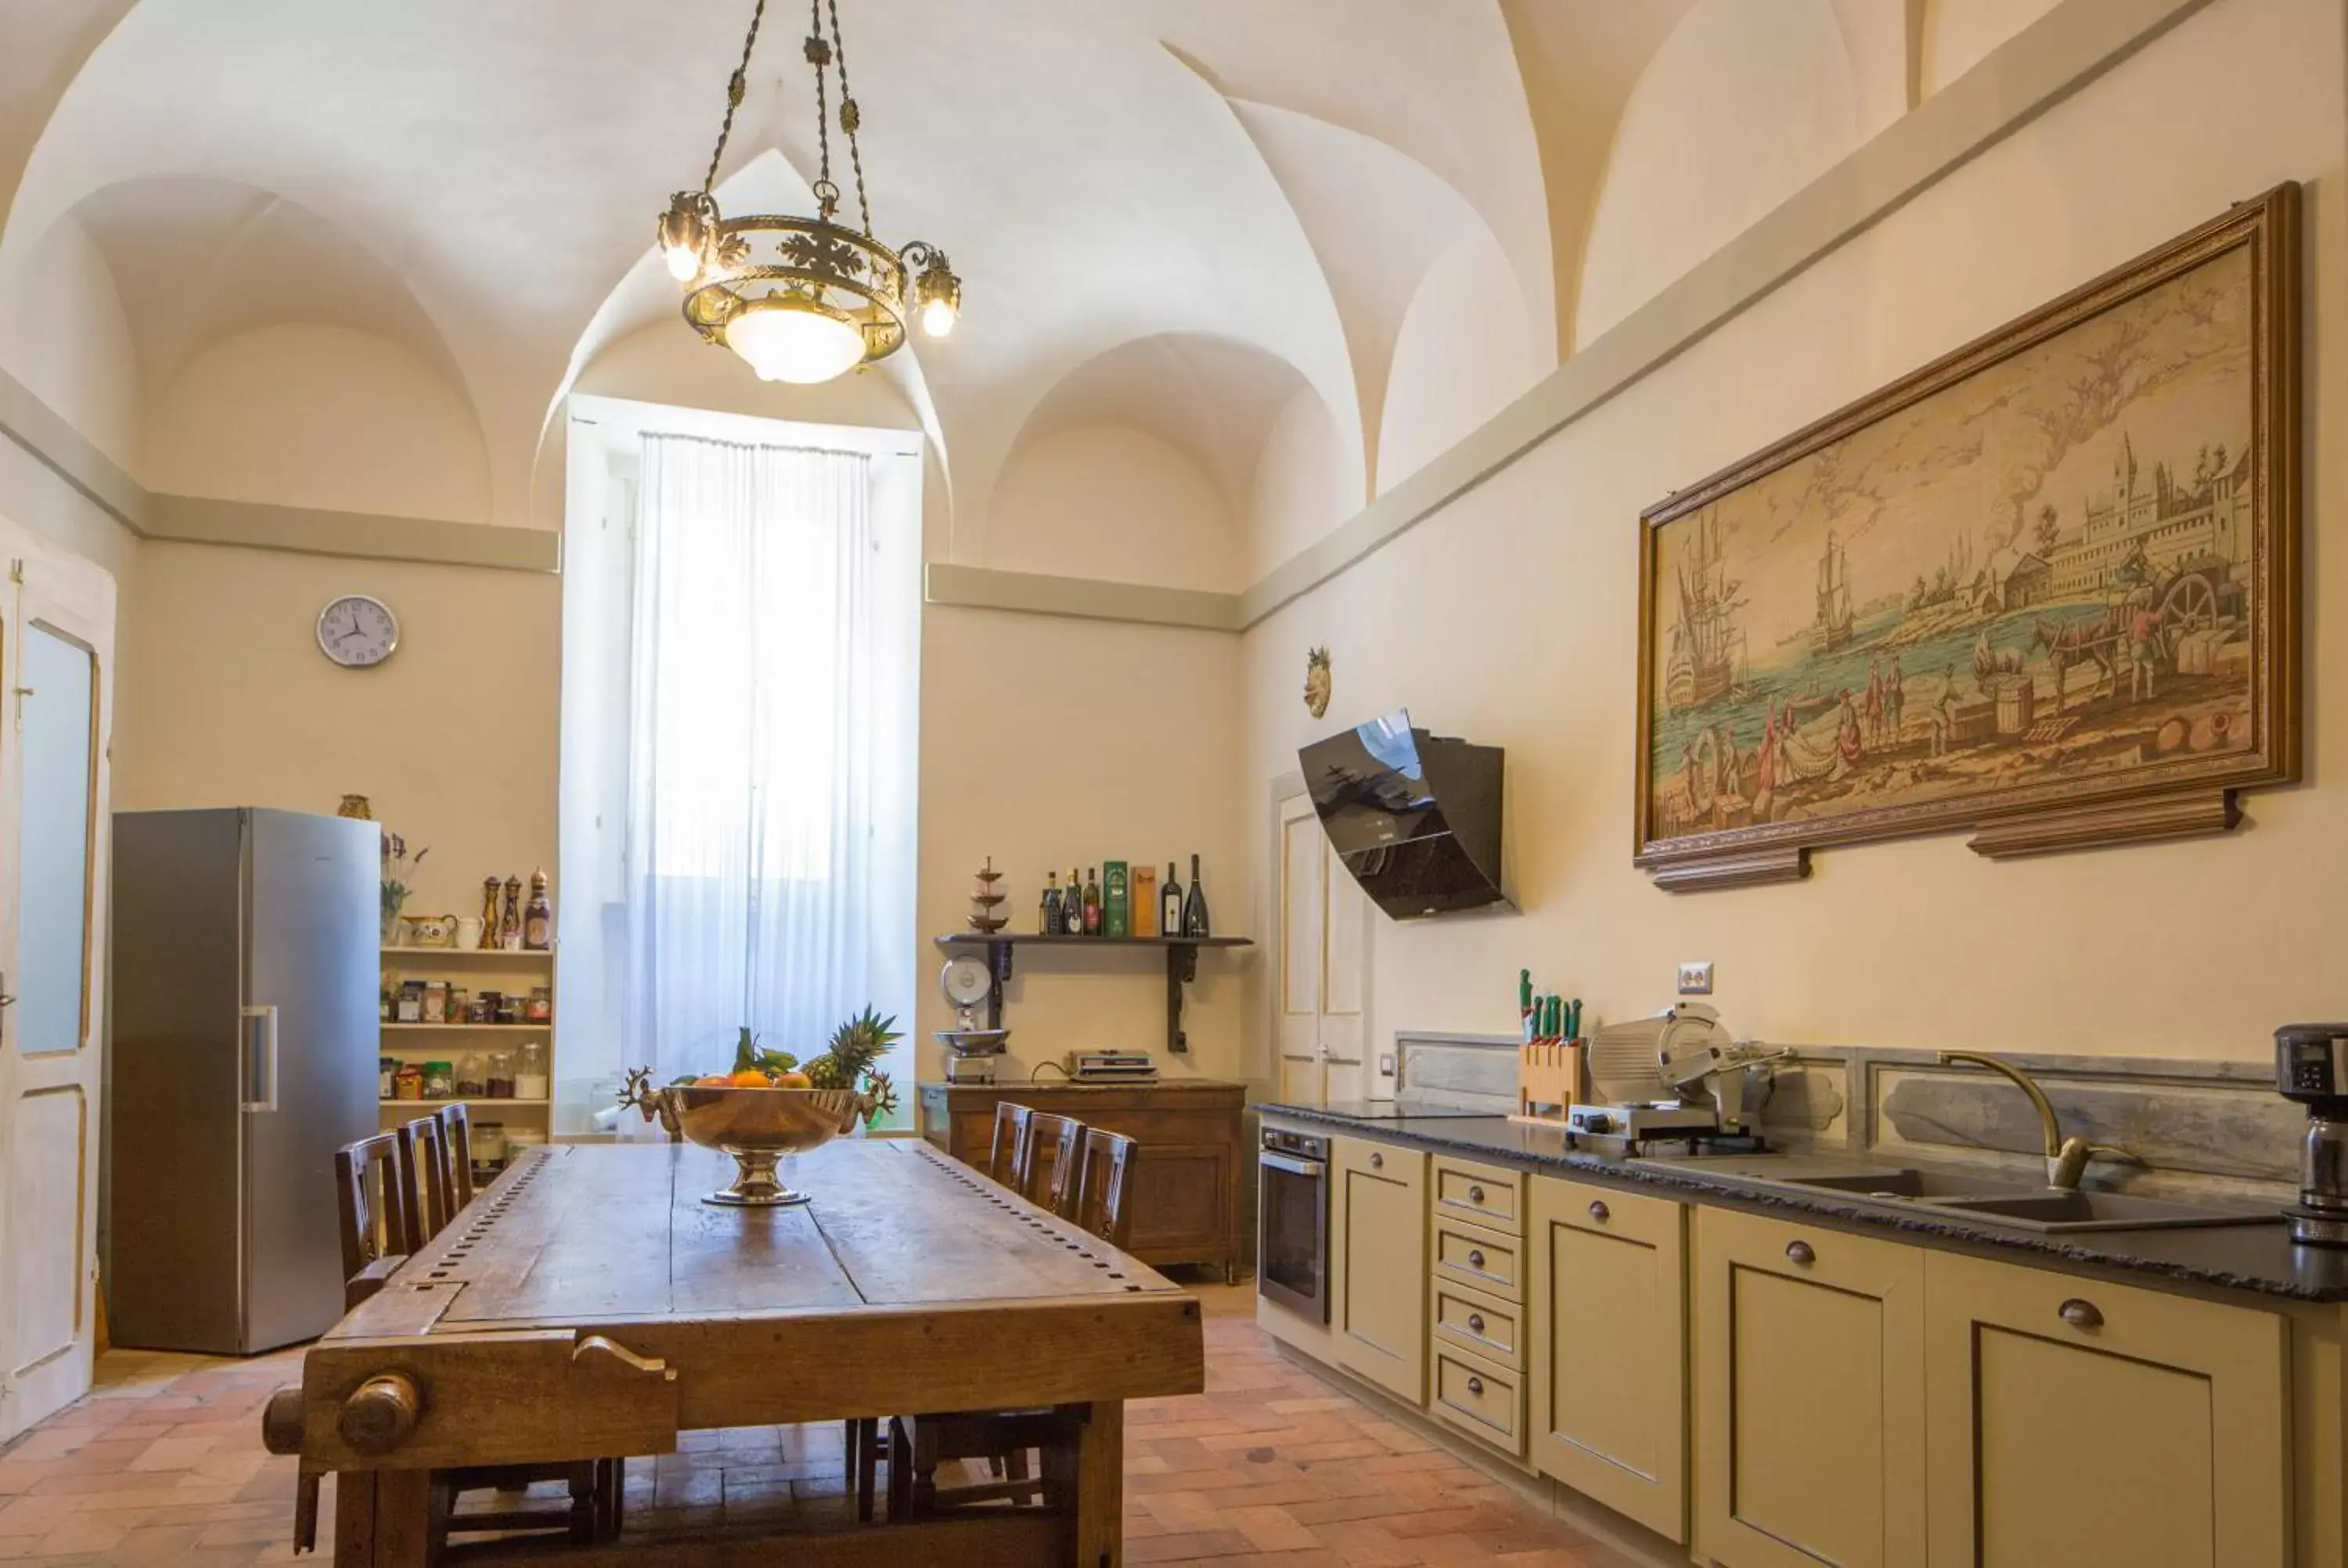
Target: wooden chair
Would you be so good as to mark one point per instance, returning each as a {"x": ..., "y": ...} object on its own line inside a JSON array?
[
  {"x": 1010, "y": 1130},
  {"x": 374, "y": 1209},
  {"x": 1066, "y": 1187},
  {"x": 457, "y": 1147},
  {"x": 423, "y": 1178},
  {"x": 1043, "y": 1128},
  {"x": 1104, "y": 1206}
]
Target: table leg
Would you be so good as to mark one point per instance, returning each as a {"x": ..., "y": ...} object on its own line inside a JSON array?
[
  {"x": 1096, "y": 1520},
  {"x": 355, "y": 1518},
  {"x": 406, "y": 1507}
]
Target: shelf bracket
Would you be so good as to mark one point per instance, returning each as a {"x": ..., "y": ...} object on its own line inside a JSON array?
[
  {"x": 1181, "y": 968},
  {"x": 998, "y": 970}
]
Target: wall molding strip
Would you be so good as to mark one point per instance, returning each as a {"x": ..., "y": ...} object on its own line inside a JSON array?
[
  {"x": 1036, "y": 593},
  {"x": 2013, "y": 84},
  {"x": 37, "y": 427}
]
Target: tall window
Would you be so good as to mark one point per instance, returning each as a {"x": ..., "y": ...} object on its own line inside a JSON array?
[{"x": 764, "y": 790}]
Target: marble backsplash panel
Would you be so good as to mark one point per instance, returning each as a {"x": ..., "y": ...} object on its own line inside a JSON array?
[{"x": 2195, "y": 1127}]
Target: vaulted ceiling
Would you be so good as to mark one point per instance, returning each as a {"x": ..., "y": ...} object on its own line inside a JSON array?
[{"x": 1174, "y": 215}]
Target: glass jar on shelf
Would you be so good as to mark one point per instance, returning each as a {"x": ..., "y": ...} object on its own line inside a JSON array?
[
  {"x": 472, "y": 1076},
  {"x": 501, "y": 1075},
  {"x": 439, "y": 1081},
  {"x": 407, "y": 1081},
  {"x": 531, "y": 1079}
]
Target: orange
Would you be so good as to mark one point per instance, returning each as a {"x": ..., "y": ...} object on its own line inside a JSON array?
[
  {"x": 750, "y": 1078},
  {"x": 793, "y": 1081},
  {"x": 712, "y": 1081}
]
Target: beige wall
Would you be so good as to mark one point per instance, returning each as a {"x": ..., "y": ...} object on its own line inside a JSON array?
[
  {"x": 230, "y": 702},
  {"x": 1051, "y": 742},
  {"x": 1509, "y": 618}
]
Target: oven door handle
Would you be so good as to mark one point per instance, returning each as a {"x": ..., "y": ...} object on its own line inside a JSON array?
[{"x": 1316, "y": 1169}]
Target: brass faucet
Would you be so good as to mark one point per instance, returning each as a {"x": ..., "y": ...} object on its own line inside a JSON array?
[{"x": 2067, "y": 1158}]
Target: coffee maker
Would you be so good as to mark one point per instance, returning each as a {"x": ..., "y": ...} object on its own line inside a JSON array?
[{"x": 2312, "y": 1067}]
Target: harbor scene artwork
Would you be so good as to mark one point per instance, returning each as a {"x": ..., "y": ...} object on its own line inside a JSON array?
[{"x": 2036, "y": 571}]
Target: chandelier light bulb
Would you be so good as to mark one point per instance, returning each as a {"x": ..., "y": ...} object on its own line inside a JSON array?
[
  {"x": 790, "y": 340},
  {"x": 683, "y": 264},
  {"x": 937, "y": 318}
]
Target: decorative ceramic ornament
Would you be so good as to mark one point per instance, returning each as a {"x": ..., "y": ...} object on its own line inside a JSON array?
[{"x": 1316, "y": 682}]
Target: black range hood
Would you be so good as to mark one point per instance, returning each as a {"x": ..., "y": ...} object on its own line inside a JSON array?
[{"x": 1415, "y": 818}]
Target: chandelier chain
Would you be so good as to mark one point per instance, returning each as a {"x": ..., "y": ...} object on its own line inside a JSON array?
[
  {"x": 851, "y": 116},
  {"x": 819, "y": 54},
  {"x": 736, "y": 86}
]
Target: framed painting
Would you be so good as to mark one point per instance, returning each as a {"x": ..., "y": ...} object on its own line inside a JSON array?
[{"x": 2045, "y": 589}]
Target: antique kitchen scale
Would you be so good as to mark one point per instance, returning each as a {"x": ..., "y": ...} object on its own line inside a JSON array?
[
  {"x": 972, "y": 1053},
  {"x": 1671, "y": 1084}
]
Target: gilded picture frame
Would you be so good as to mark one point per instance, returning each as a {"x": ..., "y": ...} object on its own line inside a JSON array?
[{"x": 2045, "y": 588}]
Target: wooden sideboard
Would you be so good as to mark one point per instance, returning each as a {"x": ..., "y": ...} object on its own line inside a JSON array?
[{"x": 1187, "y": 1184}]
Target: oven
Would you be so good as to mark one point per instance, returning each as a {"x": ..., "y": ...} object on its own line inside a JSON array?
[{"x": 1292, "y": 1222}]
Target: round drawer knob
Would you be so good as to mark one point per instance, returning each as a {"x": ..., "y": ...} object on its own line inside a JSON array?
[
  {"x": 1475, "y": 1195},
  {"x": 1599, "y": 1213},
  {"x": 2081, "y": 1313},
  {"x": 1475, "y": 1386},
  {"x": 1475, "y": 1323},
  {"x": 1476, "y": 1258},
  {"x": 1801, "y": 1253},
  {"x": 1378, "y": 1161}
]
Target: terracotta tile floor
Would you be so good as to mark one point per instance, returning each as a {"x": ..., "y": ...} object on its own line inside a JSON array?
[{"x": 162, "y": 1464}]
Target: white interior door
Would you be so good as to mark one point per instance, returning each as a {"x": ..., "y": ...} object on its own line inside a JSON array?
[
  {"x": 56, "y": 634},
  {"x": 1320, "y": 1029}
]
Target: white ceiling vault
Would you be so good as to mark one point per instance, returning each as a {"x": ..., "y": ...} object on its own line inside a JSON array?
[{"x": 1183, "y": 217}]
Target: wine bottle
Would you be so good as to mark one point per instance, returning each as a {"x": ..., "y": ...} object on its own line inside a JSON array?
[
  {"x": 1194, "y": 906},
  {"x": 1092, "y": 904},
  {"x": 1170, "y": 905},
  {"x": 1072, "y": 904},
  {"x": 1048, "y": 921}
]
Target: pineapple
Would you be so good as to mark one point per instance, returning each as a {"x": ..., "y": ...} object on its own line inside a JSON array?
[{"x": 855, "y": 1047}]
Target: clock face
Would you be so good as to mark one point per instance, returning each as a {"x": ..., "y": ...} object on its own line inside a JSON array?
[{"x": 357, "y": 632}]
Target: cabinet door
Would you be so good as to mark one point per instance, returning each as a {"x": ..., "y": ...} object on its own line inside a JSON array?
[
  {"x": 1608, "y": 1294},
  {"x": 1809, "y": 1397},
  {"x": 1182, "y": 1200},
  {"x": 2098, "y": 1426},
  {"x": 1377, "y": 1223}
]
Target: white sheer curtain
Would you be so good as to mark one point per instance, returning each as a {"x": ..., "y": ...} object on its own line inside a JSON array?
[{"x": 757, "y": 765}]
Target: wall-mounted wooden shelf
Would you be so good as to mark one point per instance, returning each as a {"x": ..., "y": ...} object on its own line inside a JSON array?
[
  {"x": 1181, "y": 965},
  {"x": 465, "y": 1028},
  {"x": 508, "y": 955}
]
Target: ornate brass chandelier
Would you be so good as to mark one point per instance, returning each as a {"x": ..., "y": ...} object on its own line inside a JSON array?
[{"x": 803, "y": 299}]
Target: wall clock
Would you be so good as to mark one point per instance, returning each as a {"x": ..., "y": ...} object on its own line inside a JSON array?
[{"x": 357, "y": 632}]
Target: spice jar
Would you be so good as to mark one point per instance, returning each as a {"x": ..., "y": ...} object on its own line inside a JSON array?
[
  {"x": 531, "y": 1081},
  {"x": 472, "y": 1077},
  {"x": 501, "y": 1077},
  {"x": 541, "y": 1009},
  {"x": 386, "y": 1073},
  {"x": 439, "y": 1081},
  {"x": 482, "y": 1008},
  {"x": 436, "y": 1002},
  {"x": 408, "y": 1083}
]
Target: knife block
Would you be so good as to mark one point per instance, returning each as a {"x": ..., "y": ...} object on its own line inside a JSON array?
[{"x": 1549, "y": 1081}]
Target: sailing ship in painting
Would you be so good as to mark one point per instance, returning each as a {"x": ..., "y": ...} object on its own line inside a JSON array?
[{"x": 2059, "y": 550}]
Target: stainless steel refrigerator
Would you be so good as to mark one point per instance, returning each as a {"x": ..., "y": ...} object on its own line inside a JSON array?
[{"x": 242, "y": 1055}]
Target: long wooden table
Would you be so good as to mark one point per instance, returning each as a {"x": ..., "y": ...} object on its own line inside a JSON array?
[{"x": 589, "y": 1304}]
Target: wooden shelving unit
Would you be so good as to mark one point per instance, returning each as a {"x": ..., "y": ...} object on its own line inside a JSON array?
[
  {"x": 476, "y": 969},
  {"x": 1181, "y": 965}
]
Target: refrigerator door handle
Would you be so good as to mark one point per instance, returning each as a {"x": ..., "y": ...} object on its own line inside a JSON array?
[{"x": 265, "y": 1073}]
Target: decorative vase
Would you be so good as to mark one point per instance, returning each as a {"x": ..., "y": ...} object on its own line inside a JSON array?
[
  {"x": 2170, "y": 736},
  {"x": 394, "y": 899}
]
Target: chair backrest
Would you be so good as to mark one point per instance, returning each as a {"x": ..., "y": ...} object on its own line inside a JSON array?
[
  {"x": 1104, "y": 1200},
  {"x": 1044, "y": 1130},
  {"x": 424, "y": 1174},
  {"x": 1010, "y": 1128},
  {"x": 371, "y": 1198},
  {"x": 456, "y": 1148},
  {"x": 1067, "y": 1166}
]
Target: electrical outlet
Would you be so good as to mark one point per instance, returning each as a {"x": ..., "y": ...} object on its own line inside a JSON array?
[
  {"x": 1696, "y": 979},
  {"x": 1386, "y": 1064}
]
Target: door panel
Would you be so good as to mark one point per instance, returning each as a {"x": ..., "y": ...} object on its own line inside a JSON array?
[
  {"x": 1379, "y": 1257},
  {"x": 2103, "y": 1427},
  {"x": 1343, "y": 988},
  {"x": 1323, "y": 990},
  {"x": 56, "y": 630}
]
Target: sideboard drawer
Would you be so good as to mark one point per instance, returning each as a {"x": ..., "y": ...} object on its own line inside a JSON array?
[
  {"x": 1484, "y": 1195},
  {"x": 1474, "y": 1321},
  {"x": 1483, "y": 1259}
]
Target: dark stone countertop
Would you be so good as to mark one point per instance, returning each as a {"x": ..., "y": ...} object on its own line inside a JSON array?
[{"x": 2258, "y": 1259}]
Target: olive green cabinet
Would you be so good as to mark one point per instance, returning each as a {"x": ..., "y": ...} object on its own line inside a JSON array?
[
  {"x": 1808, "y": 1353},
  {"x": 1607, "y": 1272},
  {"x": 2099, "y": 1426},
  {"x": 1377, "y": 1227}
]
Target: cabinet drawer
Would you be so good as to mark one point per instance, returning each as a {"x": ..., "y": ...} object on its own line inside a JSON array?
[
  {"x": 1472, "y": 1256},
  {"x": 1474, "y": 1321},
  {"x": 1483, "y": 1193},
  {"x": 1481, "y": 1399}
]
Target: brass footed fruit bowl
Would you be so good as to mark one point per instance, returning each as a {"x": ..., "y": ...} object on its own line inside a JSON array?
[{"x": 758, "y": 1127}]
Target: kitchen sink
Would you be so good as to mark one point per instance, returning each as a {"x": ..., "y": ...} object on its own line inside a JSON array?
[{"x": 1955, "y": 1195}]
